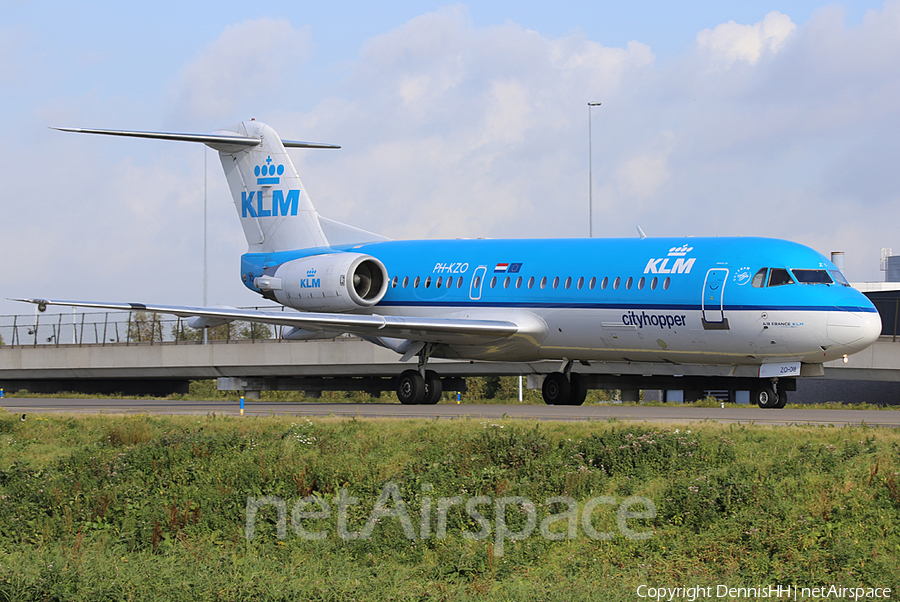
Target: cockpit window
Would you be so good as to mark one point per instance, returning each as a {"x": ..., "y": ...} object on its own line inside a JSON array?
[
  {"x": 759, "y": 280},
  {"x": 779, "y": 277},
  {"x": 812, "y": 276},
  {"x": 839, "y": 277}
]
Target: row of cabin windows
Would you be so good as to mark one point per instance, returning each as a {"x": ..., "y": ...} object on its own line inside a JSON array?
[{"x": 519, "y": 281}]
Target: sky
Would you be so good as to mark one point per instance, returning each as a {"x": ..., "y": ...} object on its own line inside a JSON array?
[{"x": 761, "y": 118}]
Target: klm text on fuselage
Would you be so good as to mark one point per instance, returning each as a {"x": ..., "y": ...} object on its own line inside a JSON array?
[{"x": 280, "y": 204}]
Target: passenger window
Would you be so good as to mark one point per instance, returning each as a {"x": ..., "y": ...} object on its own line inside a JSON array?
[
  {"x": 405, "y": 281},
  {"x": 653, "y": 283},
  {"x": 592, "y": 283},
  {"x": 477, "y": 282},
  {"x": 459, "y": 282},
  {"x": 493, "y": 282},
  {"x": 605, "y": 283},
  {"x": 506, "y": 282},
  {"x": 641, "y": 284},
  {"x": 439, "y": 282},
  {"x": 666, "y": 283},
  {"x": 580, "y": 282},
  {"x": 544, "y": 282},
  {"x": 568, "y": 282},
  {"x": 759, "y": 279},
  {"x": 519, "y": 282},
  {"x": 416, "y": 282},
  {"x": 628, "y": 283},
  {"x": 428, "y": 282},
  {"x": 531, "y": 282},
  {"x": 394, "y": 282},
  {"x": 616, "y": 283},
  {"x": 779, "y": 277},
  {"x": 556, "y": 283}
]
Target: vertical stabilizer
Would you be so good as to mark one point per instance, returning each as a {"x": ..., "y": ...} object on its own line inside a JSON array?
[{"x": 271, "y": 202}]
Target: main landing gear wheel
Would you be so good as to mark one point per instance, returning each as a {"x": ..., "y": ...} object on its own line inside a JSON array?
[
  {"x": 410, "y": 387},
  {"x": 765, "y": 397},
  {"x": 579, "y": 389},
  {"x": 433, "y": 388},
  {"x": 556, "y": 389},
  {"x": 562, "y": 390}
]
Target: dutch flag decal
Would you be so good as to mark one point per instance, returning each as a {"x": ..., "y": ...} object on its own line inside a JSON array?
[{"x": 512, "y": 268}]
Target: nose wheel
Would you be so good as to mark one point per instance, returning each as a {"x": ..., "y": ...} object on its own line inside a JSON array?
[{"x": 770, "y": 396}]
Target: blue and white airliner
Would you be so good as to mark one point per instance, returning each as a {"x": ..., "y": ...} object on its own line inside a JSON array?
[{"x": 771, "y": 304}]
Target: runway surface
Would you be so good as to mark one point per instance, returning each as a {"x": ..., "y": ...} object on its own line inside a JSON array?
[{"x": 674, "y": 413}]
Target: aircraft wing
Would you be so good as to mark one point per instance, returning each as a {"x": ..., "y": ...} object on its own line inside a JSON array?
[{"x": 429, "y": 330}]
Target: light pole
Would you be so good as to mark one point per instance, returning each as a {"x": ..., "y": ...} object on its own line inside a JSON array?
[
  {"x": 205, "y": 262},
  {"x": 591, "y": 171}
]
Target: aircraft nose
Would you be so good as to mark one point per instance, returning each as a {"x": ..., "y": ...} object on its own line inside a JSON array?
[
  {"x": 871, "y": 328},
  {"x": 854, "y": 330}
]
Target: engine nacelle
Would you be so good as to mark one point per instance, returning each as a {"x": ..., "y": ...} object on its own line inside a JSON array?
[{"x": 335, "y": 282}]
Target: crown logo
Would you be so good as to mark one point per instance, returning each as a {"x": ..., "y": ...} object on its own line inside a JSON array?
[
  {"x": 268, "y": 174},
  {"x": 680, "y": 251},
  {"x": 310, "y": 272}
]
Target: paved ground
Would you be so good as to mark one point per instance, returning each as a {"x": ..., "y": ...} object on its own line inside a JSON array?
[{"x": 675, "y": 413}]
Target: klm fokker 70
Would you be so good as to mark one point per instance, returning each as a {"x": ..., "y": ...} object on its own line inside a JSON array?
[{"x": 766, "y": 303}]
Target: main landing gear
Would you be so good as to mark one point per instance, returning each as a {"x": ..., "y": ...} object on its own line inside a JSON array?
[
  {"x": 419, "y": 386},
  {"x": 769, "y": 395},
  {"x": 564, "y": 388}
]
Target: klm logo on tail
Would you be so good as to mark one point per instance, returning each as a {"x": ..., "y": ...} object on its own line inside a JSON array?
[
  {"x": 270, "y": 173},
  {"x": 253, "y": 203},
  {"x": 280, "y": 204}
]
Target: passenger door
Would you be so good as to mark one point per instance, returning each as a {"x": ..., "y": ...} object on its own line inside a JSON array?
[{"x": 712, "y": 305}]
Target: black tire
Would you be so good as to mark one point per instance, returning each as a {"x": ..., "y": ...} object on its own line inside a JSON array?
[
  {"x": 433, "y": 388},
  {"x": 556, "y": 389},
  {"x": 765, "y": 397},
  {"x": 782, "y": 399},
  {"x": 410, "y": 387},
  {"x": 579, "y": 389}
]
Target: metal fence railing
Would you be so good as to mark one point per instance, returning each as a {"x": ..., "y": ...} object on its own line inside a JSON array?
[{"x": 123, "y": 328}]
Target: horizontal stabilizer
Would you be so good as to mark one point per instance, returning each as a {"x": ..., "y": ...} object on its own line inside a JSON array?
[{"x": 204, "y": 138}]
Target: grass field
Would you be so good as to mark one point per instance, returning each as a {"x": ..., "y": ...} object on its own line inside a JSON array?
[{"x": 156, "y": 508}]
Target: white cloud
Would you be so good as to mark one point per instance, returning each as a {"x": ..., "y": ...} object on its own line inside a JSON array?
[
  {"x": 642, "y": 174},
  {"x": 731, "y": 42},
  {"x": 245, "y": 63}
]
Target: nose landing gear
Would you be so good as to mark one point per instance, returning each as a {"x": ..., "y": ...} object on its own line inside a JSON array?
[{"x": 769, "y": 395}]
